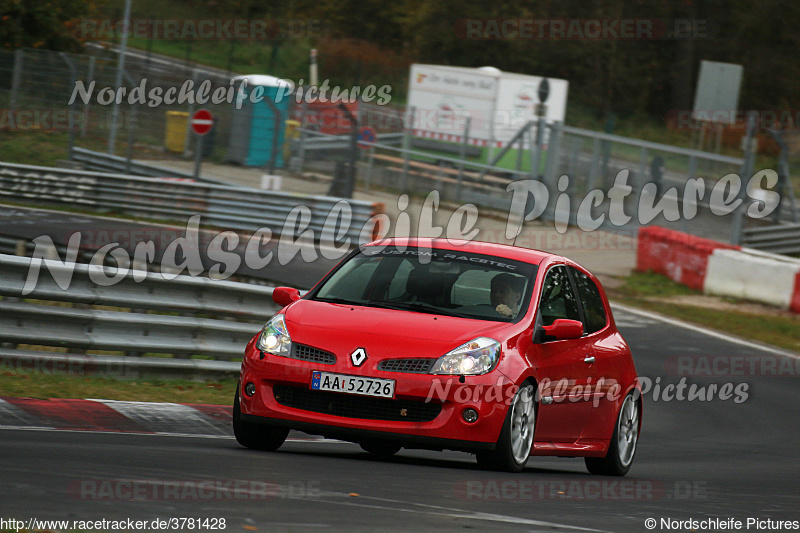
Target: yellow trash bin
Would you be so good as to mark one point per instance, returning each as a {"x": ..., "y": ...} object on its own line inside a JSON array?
[
  {"x": 176, "y": 130},
  {"x": 291, "y": 133}
]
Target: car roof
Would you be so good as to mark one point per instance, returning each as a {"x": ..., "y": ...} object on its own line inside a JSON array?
[{"x": 505, "y": 251}]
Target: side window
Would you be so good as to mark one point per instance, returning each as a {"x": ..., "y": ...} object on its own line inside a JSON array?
[
  {"x": 558, "y": 300},
  {"x": 592, "y": 302}
]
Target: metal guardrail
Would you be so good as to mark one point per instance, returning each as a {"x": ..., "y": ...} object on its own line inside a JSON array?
[
  {"x": 225, "y": 206},
  {"x": 130, "y": 332},
  {"x": 117, "y": 366},
  {"x": 32, "y": 318},
  {"x": 100, "y": 162},
  {"x": 183, "y": 294},
  {"x": 777, "y": 239},
  {"x": 658, "y": 147}
]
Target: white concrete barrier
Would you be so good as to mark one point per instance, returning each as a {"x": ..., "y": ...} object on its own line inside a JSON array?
[{"x": 754, "y": 275}]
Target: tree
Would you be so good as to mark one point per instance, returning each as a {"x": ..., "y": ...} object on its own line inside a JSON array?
[{"x": 54, "y": 24}]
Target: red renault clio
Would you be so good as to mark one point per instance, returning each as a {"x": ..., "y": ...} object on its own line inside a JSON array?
[{"x": 500, "y": 351}]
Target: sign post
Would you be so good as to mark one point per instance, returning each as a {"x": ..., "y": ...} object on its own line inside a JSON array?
[
  {"x": 541, "y": 111},
  {"x": 202, "y": 122}
]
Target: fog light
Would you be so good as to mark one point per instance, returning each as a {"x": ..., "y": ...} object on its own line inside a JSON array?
[
  {"x": 250, "y": 389},
  {"x": 469, "y": 415}
]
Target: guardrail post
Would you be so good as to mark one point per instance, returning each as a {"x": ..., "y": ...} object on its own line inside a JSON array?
[
  {"x": 89, "y": 78},
  {"x": 536, "y": 154},
  {"x": 737, "y": 225},
  {"x": 187, "y": 148},
  {"x": 462, "y": 155},
  {"x": 551, "y": 163},
  {"x": 407, "y": 132},
  {"x": 343, "y": 181},
  {"x": 73, "y": 74},
  {"x": 593, "y": 167},
  {"x": 370, "y": 164},
  {"x": 132, "y": 124},
  {"x": 553, "y": 154},
  {"x": 641, "y": 175},
  {"x": 784, "y": 188},
  {"x": 301, "y": 142}
]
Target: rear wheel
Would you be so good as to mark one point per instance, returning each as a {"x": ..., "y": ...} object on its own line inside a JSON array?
[
  {"x": 622, "y": 448},
  {"x": 256, "y": 436},
  {"x": 516, "y": 438},
  {"x": 379, "y": 448}
]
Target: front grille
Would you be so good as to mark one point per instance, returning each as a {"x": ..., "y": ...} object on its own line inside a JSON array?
[
  {"x": 353, "y": 406},
  {"x": 411, "y": 366},
  {"x": 315, "y": 355}
]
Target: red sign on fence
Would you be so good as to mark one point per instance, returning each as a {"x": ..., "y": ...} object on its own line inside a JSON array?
[{"x": 202, "y": 122}]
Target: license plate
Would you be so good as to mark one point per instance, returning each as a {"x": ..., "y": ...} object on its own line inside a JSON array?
[{"x": 382, "y": 388}]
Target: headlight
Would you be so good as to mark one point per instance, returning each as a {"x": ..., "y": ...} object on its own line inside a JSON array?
[
  {"x": 275, "y": 338},
  {"x": 475, "y": 357}
]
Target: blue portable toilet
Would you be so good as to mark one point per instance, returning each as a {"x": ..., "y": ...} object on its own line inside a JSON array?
[{"x": 253, "y": 128}]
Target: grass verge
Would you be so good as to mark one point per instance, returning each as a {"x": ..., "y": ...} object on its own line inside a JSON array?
[
  {"x": 654, "y": 292},
  {"x": 15, "y": 384}
]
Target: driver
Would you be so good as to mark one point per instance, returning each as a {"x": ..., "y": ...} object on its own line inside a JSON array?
[{"x": 506, "y": 293}]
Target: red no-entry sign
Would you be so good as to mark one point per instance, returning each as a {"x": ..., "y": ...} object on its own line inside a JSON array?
[{"x": 202, "y": 121}]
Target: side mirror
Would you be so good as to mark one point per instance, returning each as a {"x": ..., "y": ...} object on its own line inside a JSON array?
[
  {"x": 283, "y": 296},
  {"x": 563, "y": 329}
]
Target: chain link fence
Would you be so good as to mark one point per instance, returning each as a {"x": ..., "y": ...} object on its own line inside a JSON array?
[{"x": 38, "y": 85}]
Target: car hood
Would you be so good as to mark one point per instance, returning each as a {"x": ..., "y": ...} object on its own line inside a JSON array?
[{"x": 385, "y": 333}]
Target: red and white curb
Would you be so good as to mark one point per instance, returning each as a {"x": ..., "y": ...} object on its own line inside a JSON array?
[
  {"x": 116, "y": 416},
  {"x": 112, "y": 416}
]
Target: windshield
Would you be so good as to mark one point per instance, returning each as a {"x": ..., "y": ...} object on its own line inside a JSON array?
[{"x": 441, "y": 282}]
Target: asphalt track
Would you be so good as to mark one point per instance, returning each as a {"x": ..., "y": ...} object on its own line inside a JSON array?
[{"x": 696, "y": 460}]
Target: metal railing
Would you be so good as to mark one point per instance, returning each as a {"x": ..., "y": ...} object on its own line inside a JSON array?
[
  {"x": 224, "y": 206},
  {"x": 592, "y": 161},
  {"x": 204, "y": 317},
  {"x": 778, "y": 239},
  {"x": 100, "y": 162}
]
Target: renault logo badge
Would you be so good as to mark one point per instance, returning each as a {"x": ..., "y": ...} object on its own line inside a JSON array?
[{"x": 358, "y": 357}]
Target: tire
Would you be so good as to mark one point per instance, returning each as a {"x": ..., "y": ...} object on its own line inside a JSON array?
[
  {"x": 379, "y": 448},
  {"x": 622, "y": 448},
  {"x": 256, "y": 436},
  {"x": 516, "y": 437}
]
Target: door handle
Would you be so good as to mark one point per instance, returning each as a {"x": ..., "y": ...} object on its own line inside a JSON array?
[{"x": 588, "y": 360}]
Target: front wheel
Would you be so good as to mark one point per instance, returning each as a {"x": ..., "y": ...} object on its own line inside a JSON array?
[
  {"x": 516, "y": 438},
  {"x": 622, "y": 448},
  {"x": 256, "y": 436}
]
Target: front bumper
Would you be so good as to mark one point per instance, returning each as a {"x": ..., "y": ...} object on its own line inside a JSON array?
[{"x": 443, "y": 428}]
